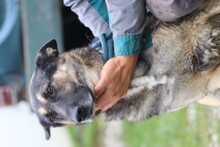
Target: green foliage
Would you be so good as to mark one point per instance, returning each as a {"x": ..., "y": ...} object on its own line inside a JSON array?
[
  {"x": 174, "y": 129},
  {"x": 195, "y": 126},
  {"x": 89, "y": 135}
]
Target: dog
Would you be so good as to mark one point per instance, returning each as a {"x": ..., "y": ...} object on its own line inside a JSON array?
[{"x": 182, "y": 67}]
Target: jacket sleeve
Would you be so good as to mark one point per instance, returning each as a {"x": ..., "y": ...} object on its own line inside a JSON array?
[
  {"x": 125, "y": 18},
  {"x": 92, "y": 13},
  {"x": 127, "y": 22},
  {"x": 171, "y": 10}
]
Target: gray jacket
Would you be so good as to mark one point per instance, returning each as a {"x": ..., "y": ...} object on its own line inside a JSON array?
[{"x": 127, "y": 18}]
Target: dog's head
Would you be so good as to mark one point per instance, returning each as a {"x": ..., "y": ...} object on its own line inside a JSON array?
[{"x": 55, "y": 103}]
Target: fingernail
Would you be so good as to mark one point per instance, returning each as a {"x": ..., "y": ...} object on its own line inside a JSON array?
[{"x": 105, "y": 109}]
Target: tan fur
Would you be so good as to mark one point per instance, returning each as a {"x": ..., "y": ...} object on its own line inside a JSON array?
[
  {"x": 213, "y": 84},
  {"x": 42, "y": 111},
  {"x": 66, "y": 69},
  {"x": 214, "y": 81},
  {"x": 50, "y": 51},
  {"x": 41, "y": 98}
]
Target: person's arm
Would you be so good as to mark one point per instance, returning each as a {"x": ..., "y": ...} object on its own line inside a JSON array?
[
  {"x": 171, "y": 10},
  {"x": 92, "y": 13},
  {"x": 127, "y": 22}
]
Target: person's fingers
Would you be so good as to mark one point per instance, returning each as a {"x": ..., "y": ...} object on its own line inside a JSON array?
[
  {"x": 104, "y": 108},
  {"x": 100, "y": 87},
  {"x": 107, "y": 107},
  {"x": 102, "y": 101},
  {"x": 106, "y": 101},
  {"x": 103, "y": 104},
  {"x": 97, "y": 109}
]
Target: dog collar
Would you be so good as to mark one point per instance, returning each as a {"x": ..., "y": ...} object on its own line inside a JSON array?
[{"x": 106, "y": 43}]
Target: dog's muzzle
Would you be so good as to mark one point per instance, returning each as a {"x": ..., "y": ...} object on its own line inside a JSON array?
[{"x": 81, "y": 114}]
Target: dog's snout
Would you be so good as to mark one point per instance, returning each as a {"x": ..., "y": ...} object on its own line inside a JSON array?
[{"x": 81, "y": 113}]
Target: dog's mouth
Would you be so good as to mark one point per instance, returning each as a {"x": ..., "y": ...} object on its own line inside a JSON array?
[{"x": 83, "y": 122}]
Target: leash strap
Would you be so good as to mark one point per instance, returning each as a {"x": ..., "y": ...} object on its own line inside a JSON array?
[{"x": 106, "y": 42}]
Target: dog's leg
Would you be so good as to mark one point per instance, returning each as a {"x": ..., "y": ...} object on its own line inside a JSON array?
[
  {"x": 213, "y": 87},
  {"x": 210, "y": 101}
]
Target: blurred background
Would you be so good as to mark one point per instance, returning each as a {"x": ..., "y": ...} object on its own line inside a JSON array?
[{"x": 25, "y": 25}]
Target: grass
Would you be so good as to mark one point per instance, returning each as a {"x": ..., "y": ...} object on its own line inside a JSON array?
[
  {"x": 172, "y": 130},
  {"x": 200, "y": 128},
  {"x": 89, "y": 135}
]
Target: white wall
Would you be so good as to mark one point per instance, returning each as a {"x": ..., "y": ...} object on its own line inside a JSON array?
[{"x": 20, "y": 128}]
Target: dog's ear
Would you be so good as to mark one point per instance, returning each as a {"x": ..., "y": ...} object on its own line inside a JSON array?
[
  {"x": 46, "y": 128},
  {"x": 47, "y": 54}
]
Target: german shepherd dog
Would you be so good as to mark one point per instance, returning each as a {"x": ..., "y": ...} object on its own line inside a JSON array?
[{"x": 182, "y": 67}]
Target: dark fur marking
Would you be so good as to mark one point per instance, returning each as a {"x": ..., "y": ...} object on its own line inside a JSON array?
[
  {"x": 208, "y": 50},
  {"x": 215, "y": 20},
  {"x": 155, "y": 106}
]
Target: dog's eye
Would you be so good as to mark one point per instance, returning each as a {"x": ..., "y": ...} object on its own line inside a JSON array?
[
  {"x": 52, "y": 118},
  {"x": 50, "y": 89}
]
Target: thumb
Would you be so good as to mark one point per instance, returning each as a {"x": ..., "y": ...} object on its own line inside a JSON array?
[{"x": 100, "y": 87}]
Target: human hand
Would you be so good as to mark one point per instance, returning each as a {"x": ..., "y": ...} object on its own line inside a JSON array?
[{"x": 115, "y": 79}]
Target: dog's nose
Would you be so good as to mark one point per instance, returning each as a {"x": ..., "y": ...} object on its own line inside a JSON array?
[{"x": 81, "y": 113}]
